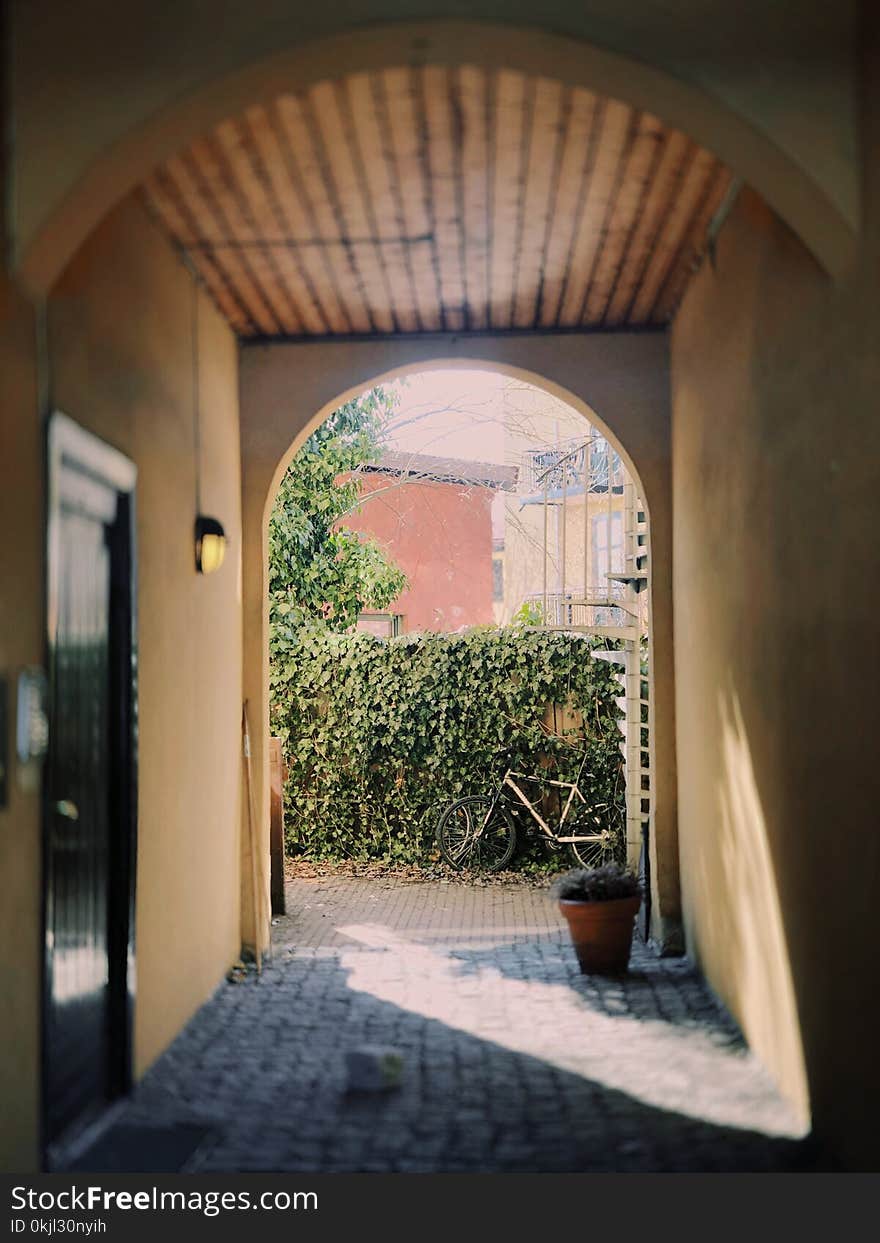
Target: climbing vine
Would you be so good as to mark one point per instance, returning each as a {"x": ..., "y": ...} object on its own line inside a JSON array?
[
  {"x": 379, "y": 734},
  {"x": 318, "y": 569}
]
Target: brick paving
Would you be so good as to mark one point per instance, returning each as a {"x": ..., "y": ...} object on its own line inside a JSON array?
[{"x": 513, "y": 1061}]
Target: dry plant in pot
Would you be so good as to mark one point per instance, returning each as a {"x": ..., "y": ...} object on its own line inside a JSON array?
[{"x": 600, "y": 905}]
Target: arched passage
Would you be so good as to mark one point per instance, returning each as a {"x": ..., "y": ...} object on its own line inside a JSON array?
[
  {"x": 103, "y": 167},
  {"x": 799, "y": 358},
  {"x": 618, "y": 381}
]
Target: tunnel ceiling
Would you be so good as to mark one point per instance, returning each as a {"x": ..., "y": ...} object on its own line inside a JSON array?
[{"x": 436, "y": 199}]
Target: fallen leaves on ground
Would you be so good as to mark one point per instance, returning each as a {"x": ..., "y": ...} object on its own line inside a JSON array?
[{"x": 407, "y": 873}]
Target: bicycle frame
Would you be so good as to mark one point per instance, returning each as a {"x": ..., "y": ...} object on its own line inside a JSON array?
[{"x": 573, "y": 788}]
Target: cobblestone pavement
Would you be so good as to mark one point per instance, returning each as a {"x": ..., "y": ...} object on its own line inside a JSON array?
[{"x": 513, "y": 1060}]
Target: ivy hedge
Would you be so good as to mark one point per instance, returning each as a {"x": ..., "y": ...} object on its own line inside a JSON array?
[{"x": 381, "y": 734}]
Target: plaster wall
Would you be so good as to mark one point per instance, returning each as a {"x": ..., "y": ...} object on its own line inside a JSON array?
[
  {"x": 101, "y": 94},
  {"x": 21, "y": 644},
  {"x": 775, "y": 448},
  {"x": 619, "y": 381},
  {"x": 120, "y": 347}
]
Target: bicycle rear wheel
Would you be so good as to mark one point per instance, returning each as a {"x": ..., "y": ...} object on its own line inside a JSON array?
[
  {"x": 599, "y": 845},
  {"x": 464, "y": 839}
]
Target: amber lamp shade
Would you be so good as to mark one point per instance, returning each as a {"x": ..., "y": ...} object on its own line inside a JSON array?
[{"x": 210, "y": 544}]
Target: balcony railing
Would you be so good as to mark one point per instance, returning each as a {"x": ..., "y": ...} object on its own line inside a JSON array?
[
  {"x": 569, "y": 465},
  {"x": 577, "y": 607}
]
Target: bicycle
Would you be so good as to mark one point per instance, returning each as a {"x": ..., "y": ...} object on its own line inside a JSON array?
[{"x": 480, "y": 831}]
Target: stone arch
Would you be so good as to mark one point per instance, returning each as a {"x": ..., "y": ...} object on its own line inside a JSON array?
[
  {"x": 449, "y": 364},
  {"x": 618, "y": 381}
]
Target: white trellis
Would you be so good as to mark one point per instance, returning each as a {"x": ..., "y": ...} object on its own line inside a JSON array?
[{"x": 584, "y": 481}]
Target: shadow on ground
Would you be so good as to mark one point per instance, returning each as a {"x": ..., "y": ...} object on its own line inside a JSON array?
[{"x": 513, "y": 1062}]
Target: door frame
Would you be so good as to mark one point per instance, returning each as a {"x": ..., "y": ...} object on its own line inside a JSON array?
[{"x": 68, "y": 441}]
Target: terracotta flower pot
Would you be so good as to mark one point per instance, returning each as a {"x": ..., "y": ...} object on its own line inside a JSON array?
[{"x": 601, "y": 933}]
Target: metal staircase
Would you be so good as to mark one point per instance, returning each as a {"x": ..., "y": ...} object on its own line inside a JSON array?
[
  {"x": 633, "y": 679},
  {"x": 615, "y": 609}
]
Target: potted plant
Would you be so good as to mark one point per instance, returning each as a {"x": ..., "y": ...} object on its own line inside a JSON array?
[{"x": 600, "y": 905}]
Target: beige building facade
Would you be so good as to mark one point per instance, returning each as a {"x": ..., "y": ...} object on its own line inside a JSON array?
[{"x": 563, "y": 532}]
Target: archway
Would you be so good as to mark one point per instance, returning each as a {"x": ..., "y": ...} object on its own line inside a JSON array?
[
  {"x": 107, "y": 170},
  {"x": 59, "y": 201},
  {"x": 617, "y": 383},
  {"x": 623, "y": 380}
]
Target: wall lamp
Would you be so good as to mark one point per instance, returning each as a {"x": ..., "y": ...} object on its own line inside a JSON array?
[
  {"x": 210, "y": 544},
  {"x": 210, "y": 538}
]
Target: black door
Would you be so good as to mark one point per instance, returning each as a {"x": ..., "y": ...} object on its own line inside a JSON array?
[{"x": 90, "y": 778}]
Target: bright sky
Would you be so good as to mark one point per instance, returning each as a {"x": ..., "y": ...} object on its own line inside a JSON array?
[
  {"x": 450, "y": 413},
  {"x": 463, "y": 414}
]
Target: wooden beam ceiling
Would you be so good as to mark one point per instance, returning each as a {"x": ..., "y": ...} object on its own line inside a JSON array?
[{"x": 436, "y": 199}]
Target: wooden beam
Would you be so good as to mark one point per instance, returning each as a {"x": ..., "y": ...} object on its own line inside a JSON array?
[
  {"x": 628, "y": 207},
  {"x": 472, "y": 96},
  {"x": 402, "y": 114},
  {"x": 614, "y": 143},
  {"x": 673, "y": 238},
  {"x": 307, "y": 155},
  {"x": 320, "y": 309},
  {"x": 545, "y": 141},
  {"x": 230, "y": 204},
  {"x": 376, "y": 160},
  {"x": 350, "y": 195},
  {"x": 212, "y": 227},
  {"x": 693, "y": 248},
  {"x": 446, "y": 220},
  {"x": 508, "y": 161},
  {"x": 583, "y": 113},
  {"x": 170, "y": 210},
  {"x": 677, "y": 152}
]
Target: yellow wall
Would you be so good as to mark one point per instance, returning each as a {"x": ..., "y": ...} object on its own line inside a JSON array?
[
  {"x": 120, "y": 347},
  {"x": 776, "y": 441}
]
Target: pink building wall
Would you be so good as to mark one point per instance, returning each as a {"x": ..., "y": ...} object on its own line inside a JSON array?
[{"x": 440, "y": 534}]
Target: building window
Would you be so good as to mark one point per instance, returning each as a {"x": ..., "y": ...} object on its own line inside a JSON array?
[
  {"x": 607, "y": 560},
  {"x": 498, "y": 577},
  {"x": 606, "y": 468},
  {"x": 382, "y": 625}
]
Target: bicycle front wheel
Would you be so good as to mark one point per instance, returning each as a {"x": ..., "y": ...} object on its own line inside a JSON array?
[{"x": 467, "y": 839}]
